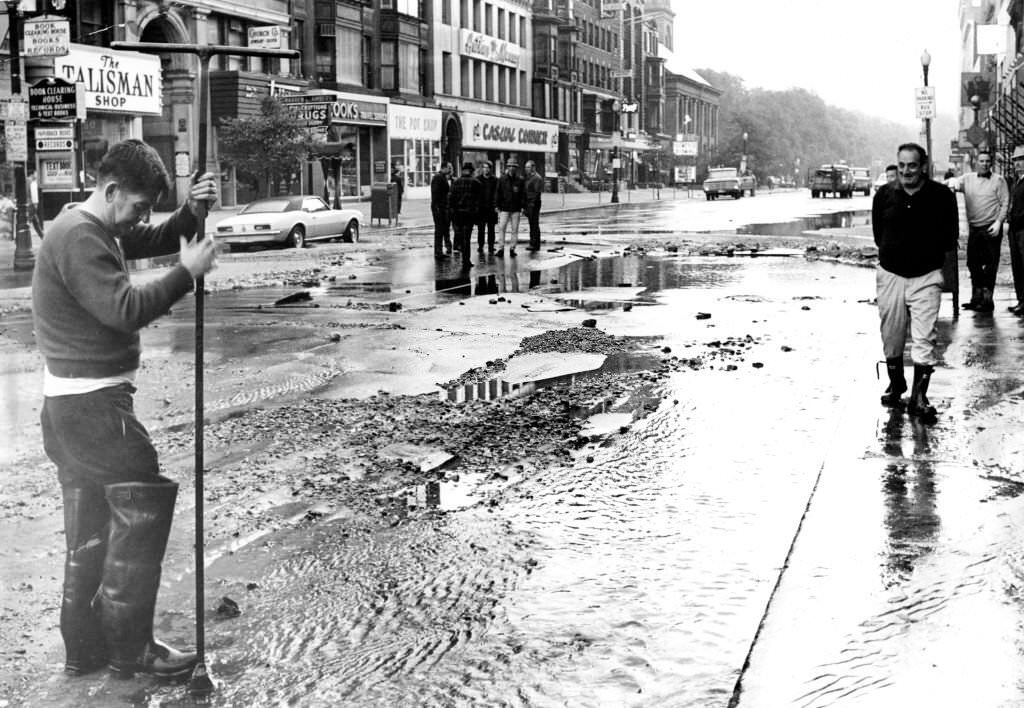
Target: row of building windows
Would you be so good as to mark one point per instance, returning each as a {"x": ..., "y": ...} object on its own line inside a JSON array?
[
  {"x": 485, "y": 81},
  {"x": 486, "y": 18},
  {"x": 597, "y": 36}
]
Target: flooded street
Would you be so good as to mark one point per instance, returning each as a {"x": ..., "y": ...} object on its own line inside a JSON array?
[{"x": 430, "y": 489}]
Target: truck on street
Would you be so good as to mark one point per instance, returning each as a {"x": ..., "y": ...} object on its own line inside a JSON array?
[{"x": 728, "y": 180}]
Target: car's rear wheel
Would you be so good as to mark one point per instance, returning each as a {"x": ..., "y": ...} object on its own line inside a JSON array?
[
  {"x": 297, "y": 236},
  {"x": 351, "y": 234}
]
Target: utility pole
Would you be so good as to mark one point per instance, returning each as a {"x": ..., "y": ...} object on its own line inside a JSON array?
[{"x": 24, "y": 259}]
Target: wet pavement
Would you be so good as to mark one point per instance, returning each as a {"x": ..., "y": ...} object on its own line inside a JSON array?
[{"x": 750, "y": 530}]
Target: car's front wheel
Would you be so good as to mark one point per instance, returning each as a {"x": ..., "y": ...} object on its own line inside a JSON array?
[
  {"x": 351, "y": 234},
  {"x": 297, "y": 236}
]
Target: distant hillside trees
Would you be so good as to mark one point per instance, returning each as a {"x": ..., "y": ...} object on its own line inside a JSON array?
[{"x": 783, "y": 126}]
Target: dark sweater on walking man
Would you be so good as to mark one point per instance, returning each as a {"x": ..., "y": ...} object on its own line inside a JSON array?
[
  {"x": 439, "y": 187},
  {"x": 87, "y": 314},
  {"x": 531, "y": 203},
  {"x": 464, "y": 202}
]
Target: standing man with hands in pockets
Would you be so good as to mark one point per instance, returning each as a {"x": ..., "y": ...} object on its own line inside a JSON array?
[
  {"x": 87, "y": 314},
  {"x": 986, "y": 198}
]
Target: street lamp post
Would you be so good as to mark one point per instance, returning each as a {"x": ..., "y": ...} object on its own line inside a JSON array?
[
  {"x": 616, "y": 107},
  {"x": 926, "y": 60},
  {"x": 743, "y": 159},
  {"x": 24, "y": 259}
]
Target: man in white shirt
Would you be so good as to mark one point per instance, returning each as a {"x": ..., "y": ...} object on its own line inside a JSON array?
[{"x": 987, "y": 199}]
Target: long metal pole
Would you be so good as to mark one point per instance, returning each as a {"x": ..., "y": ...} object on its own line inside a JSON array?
[
  {"x": 200, "y": 683},
  {"x": 24, "y": 259},
  {"x": 928, "y": 131}
]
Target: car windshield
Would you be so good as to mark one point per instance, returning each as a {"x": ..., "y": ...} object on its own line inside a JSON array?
[
  {"x": 861, "y": 173},
  {"x": 268, "y": 206}
]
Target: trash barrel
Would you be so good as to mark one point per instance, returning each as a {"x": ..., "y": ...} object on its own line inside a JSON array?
[{"x": 384, "y": 201}]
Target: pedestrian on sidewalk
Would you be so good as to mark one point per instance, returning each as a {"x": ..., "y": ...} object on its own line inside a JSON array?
[
  {"x": 464, "y": 201},
  {"x": 915, "y": 223},
  {"x": 488, "y": 216},
  {"x": 986, "y": 198},
  {"x": 531, "y": 203},
  {"x": 7, "y": 212},
  {"x": 87, "y": 315},
  {"x": 399, "y": 181},
  {"x": 34, "y": 220},
  {"x": 439, "y": 188},
  {"x": 509, "y": 199},
  {"x": 1016, "y": 229}
]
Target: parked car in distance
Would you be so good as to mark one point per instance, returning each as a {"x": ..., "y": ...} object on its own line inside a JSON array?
[
  {"x": 832, "y": 179},
  {"x": 861, "y": 180},
  {"x": 290, "y": 220},
  {"x": 728, "y": 180}
]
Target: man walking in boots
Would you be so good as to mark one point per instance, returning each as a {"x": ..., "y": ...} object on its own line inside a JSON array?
[
  {"x": 464, "y": 206},
  {"x": 915, "y": 223},
  {"x": 986, "y": 198},
  {"x": 87, "y": 316},
  {"x": 1016, "y": 230}
]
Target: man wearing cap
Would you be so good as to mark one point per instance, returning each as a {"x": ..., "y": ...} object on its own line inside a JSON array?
[
  {"x": 510, "y": 200},
  {"x": 986, "y": 198},
  {"x": 1016, "y": 219},
  {"x": 464, "y": 206}
]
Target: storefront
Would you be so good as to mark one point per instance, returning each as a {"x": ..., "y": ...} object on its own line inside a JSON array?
[
  {"x": 120, "y": 88},
  {"x": 638, "y": 158},
  {"x": 415, "y": 134},
  {"x": 496, "y": 138},
  {"x": 353, "y": 154}
]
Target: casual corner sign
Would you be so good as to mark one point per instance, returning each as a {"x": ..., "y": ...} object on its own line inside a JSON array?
[
  {"x": 116, "y": 81},
  {"x": 496, "y": 132}
]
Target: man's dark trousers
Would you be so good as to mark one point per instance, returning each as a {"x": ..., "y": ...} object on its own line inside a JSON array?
[
  {"x": 533, "y": 216},
  {"x": 442, "y": 239},
  {"x": 983, "y": 256},
  {"x": 486, "y": 223},
  {"x": 1017, "y": 263}
]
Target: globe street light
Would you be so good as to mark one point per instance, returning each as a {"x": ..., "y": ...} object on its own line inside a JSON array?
[
  {"x": 743, "y": 162},
  {"x": 926, "y": 60}
]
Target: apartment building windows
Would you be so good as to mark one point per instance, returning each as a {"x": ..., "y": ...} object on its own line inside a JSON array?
[
  {"x": 513, "y": 88},
  {"x": 512, "y": 27},
  {"x": 350, "y": 56},
  {"x": 446, "y": 72},
  {"x": 408, "y": 66},
  {"x": 465, "y": 77},
  {"x": 446, "y": 12},
  {"x": 476, "y": 15},
  {"x": 503, "y": 84},
  {"x": 522, "y": 31},
  {"x": 464, "y": 9},
  {"x": 488, "y": 22},
  {"x": 388, "y": 65},
  {"x": 524, "y": 88},
  {"x": 489, "y": 81},
  {"x": 501, "y": 23},
  {"x": 478, "y": 79}
]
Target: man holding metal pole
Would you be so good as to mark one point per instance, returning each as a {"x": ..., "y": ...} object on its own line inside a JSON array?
[{"x": 87, "y": 316}]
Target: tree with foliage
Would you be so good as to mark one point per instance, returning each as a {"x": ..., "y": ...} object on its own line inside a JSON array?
[
  {"x": 784, "y": 126},
  {"x": 269, "y": 145}
]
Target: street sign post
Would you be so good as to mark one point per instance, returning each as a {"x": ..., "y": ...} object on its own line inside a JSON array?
[{"x": 924, "y": 99}]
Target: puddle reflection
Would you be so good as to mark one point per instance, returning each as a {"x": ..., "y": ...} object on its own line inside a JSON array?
[{"x": 835, "y": 220}]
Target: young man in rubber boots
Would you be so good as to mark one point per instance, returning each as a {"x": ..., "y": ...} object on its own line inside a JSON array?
[
  {"x": 87, "y": 315},
  {"x": 915, "y": 223}
]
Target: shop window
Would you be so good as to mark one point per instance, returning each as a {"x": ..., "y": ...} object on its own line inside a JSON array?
[{"x": 446, "y": 72}]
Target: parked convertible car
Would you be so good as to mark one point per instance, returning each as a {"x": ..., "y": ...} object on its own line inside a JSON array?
[{"x": 291, "y": 220}]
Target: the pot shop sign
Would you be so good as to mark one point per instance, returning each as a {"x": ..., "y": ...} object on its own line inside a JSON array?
[
  {"x": 508, "y": 133},
  {"x": 117, "y": 81}
]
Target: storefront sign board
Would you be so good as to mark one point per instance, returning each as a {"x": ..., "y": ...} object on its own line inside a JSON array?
[
  {"x": 49, "y": 37},
  {"x": 480, "y": 46},
  {"x": 114, "y": 80},
  {"x": 496, "y": 132},
  {"x": 413, "y": 123}
]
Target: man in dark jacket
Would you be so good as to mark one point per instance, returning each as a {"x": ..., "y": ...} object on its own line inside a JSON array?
[
  {"x": 509, "y": 199},
  {"x": 439, "y": 188},
  {"x": 399, "y": 182},
  {"x": 1016, "y": 219},
  {"x": 488, "y": 216},
  {"x": 915, "y": 223},
  {"x": 531, "y": 204},
  {"x": 464, "y": 201},
  {"x": 87, "y": 314}
]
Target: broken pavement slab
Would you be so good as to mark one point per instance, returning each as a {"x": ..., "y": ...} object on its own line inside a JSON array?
[
  {"x": 544, "y": 366},
  {"x": 427, "y": 458}
]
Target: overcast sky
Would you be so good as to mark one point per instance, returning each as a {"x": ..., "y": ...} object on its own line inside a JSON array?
[{"x": 860, "y": 54}]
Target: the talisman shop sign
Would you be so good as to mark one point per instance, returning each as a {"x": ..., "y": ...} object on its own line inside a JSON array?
[
  {"x": 117, "y": 81},
  {"x": 508, "y": 133}
]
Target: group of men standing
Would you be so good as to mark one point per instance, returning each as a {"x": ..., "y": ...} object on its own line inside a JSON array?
[
  {"x": 478, "y": 199},
  {"x": 916, "y": 223}
]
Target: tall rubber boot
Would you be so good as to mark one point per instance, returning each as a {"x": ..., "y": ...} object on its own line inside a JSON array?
[
  {"x": 897, "y": 382},
  {"x": 919, "y": 406},
  {"x": 975, "y": 300},
  {"x": 85, "y": 532},
  {"x": 140, "y": 522}
]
